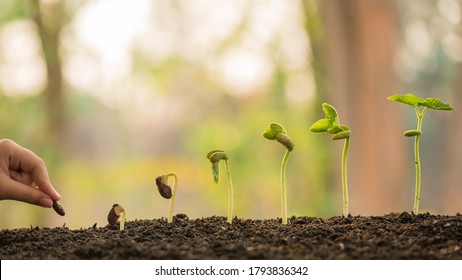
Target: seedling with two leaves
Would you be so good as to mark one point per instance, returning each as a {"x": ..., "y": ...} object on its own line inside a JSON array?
[
  {"x": 277, "y": 132},
  {"x": 331, "y": 124},
  {"x": 420, "y": 106}
]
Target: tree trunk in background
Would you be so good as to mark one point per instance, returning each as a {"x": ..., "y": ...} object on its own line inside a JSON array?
[
  {"x": 451, "y": 183},
  {"x": 49, "y": 20},
  {"x": 361, "y": 38}
]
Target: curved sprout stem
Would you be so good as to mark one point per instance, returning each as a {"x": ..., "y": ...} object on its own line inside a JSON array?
[
  {"x": 283, "y": 187},
  {"x": 172, "y": 200},
  {"x": 230, "y": 193}
]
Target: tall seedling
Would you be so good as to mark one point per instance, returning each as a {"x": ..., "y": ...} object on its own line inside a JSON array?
[{"x": 420, "y": 106}]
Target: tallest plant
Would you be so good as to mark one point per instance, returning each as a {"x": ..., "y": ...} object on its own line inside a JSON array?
[{"x": 420, "y": 106}]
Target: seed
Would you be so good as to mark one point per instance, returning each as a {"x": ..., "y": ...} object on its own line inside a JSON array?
[
  {"x": 113, "y": 216},
  {"x": 58, "y": 208},
  {"x": 164, "y": 189}
]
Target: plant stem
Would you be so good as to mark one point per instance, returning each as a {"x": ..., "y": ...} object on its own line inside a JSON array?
[
  {"x": 344, "y": 176},
  {"x": 230, "y": 193},
  {"x": 417, "y": 161},
  {"x": 122, "y": 221},
  {"x": 172, "y": 200},
  {"x": 283, "y": 187}
]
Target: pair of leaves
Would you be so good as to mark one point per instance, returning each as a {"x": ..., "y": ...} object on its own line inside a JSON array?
[
  {"x": 215, "y": 156},
  {"x": 331, "y": 124},
  {"x": 277, "y": 132},
  {"x": 415, "y": 101}
]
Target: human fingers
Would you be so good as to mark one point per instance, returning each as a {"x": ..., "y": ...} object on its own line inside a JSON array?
[
  {"x": 29, "y": 163},
  {"x": 11, "y": 189},
  {"x": 21, "y": 177}
]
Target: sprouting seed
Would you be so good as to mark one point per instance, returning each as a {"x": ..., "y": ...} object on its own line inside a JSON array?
[
  {"x": 166, "y": 191},
  {"x": 114, "y": 214}
]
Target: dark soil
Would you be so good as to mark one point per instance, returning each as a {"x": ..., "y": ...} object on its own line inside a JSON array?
[{"x": 393, "y": 236}]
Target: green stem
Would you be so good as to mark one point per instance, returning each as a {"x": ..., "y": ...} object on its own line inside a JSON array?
[
  {"x": 230, "y": 193},
  {"x": 417, "y": 161},
  {"x": 344, "y": 176},
  {"x": 283, "y": 187},
  {"x": 172, "y": 200}
]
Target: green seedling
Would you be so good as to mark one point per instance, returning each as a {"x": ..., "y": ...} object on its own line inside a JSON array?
[
  {"x": 277, "y": 132},
  {"x": 114, "y": 214},
  {"x": 331, "y": 124},
  {"x": 166, "y": 191},
  {"x": 58, "y": 208},
  {"x": 215, "y": 156},
  {"x": 420, "y": 106}
]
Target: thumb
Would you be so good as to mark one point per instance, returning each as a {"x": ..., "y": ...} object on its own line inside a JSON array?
[{"x": 14, "y": 190}]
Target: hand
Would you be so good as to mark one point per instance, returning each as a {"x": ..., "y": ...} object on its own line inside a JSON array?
[{"x": 24, "y": 176}]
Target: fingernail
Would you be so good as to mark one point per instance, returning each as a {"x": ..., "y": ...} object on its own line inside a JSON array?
[{"x": 45, "y": 202}]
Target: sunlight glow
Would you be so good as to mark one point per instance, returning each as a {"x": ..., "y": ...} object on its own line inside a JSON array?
[{"x": 22, "y": 71}]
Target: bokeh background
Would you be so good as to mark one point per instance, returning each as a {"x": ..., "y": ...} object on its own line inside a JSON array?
[{"x": 113, "y": 93}]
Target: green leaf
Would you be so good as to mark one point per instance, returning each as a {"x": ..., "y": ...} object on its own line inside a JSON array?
[
  {"x": 436, "y": 104},
  {"x": 334, "y": 129},
  {"x": 345, "y": 127},
  {"x": 273, "y": 130},
  {"x": 331, "y": 113},
  {"x": 331, "y": 123},
  {"x": 409, "y": 99},
  {"x": 321, "y": 126},
  {"x": 216, "y": 171}
]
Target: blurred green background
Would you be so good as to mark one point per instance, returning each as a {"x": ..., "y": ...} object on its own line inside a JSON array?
[{"x": 113, "y": 93}]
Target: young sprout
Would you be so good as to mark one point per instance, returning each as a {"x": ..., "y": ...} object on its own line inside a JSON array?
[
  {"x": 331, "y": 124},
  {"x": 215, "y": 156},
  {"x": 114, "y": 214},
  {"x": 166, "y": 192},
  {"x": 277, "y": 132},
  {"x": 417, "y": 103},
  {"x": 58, "y": 208}
]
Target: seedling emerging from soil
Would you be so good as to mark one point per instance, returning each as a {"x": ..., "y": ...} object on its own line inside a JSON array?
[
  {"x": 277, "y": 132},
  {"x": 166, "y": 192},
  {"x": 58, "y": 208},
  {"x": 331, "y": 124},
  {"x": 215, "y": 156},
  {"x": 420, "y": 106},
  {"x": 114, "y": 214}
]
